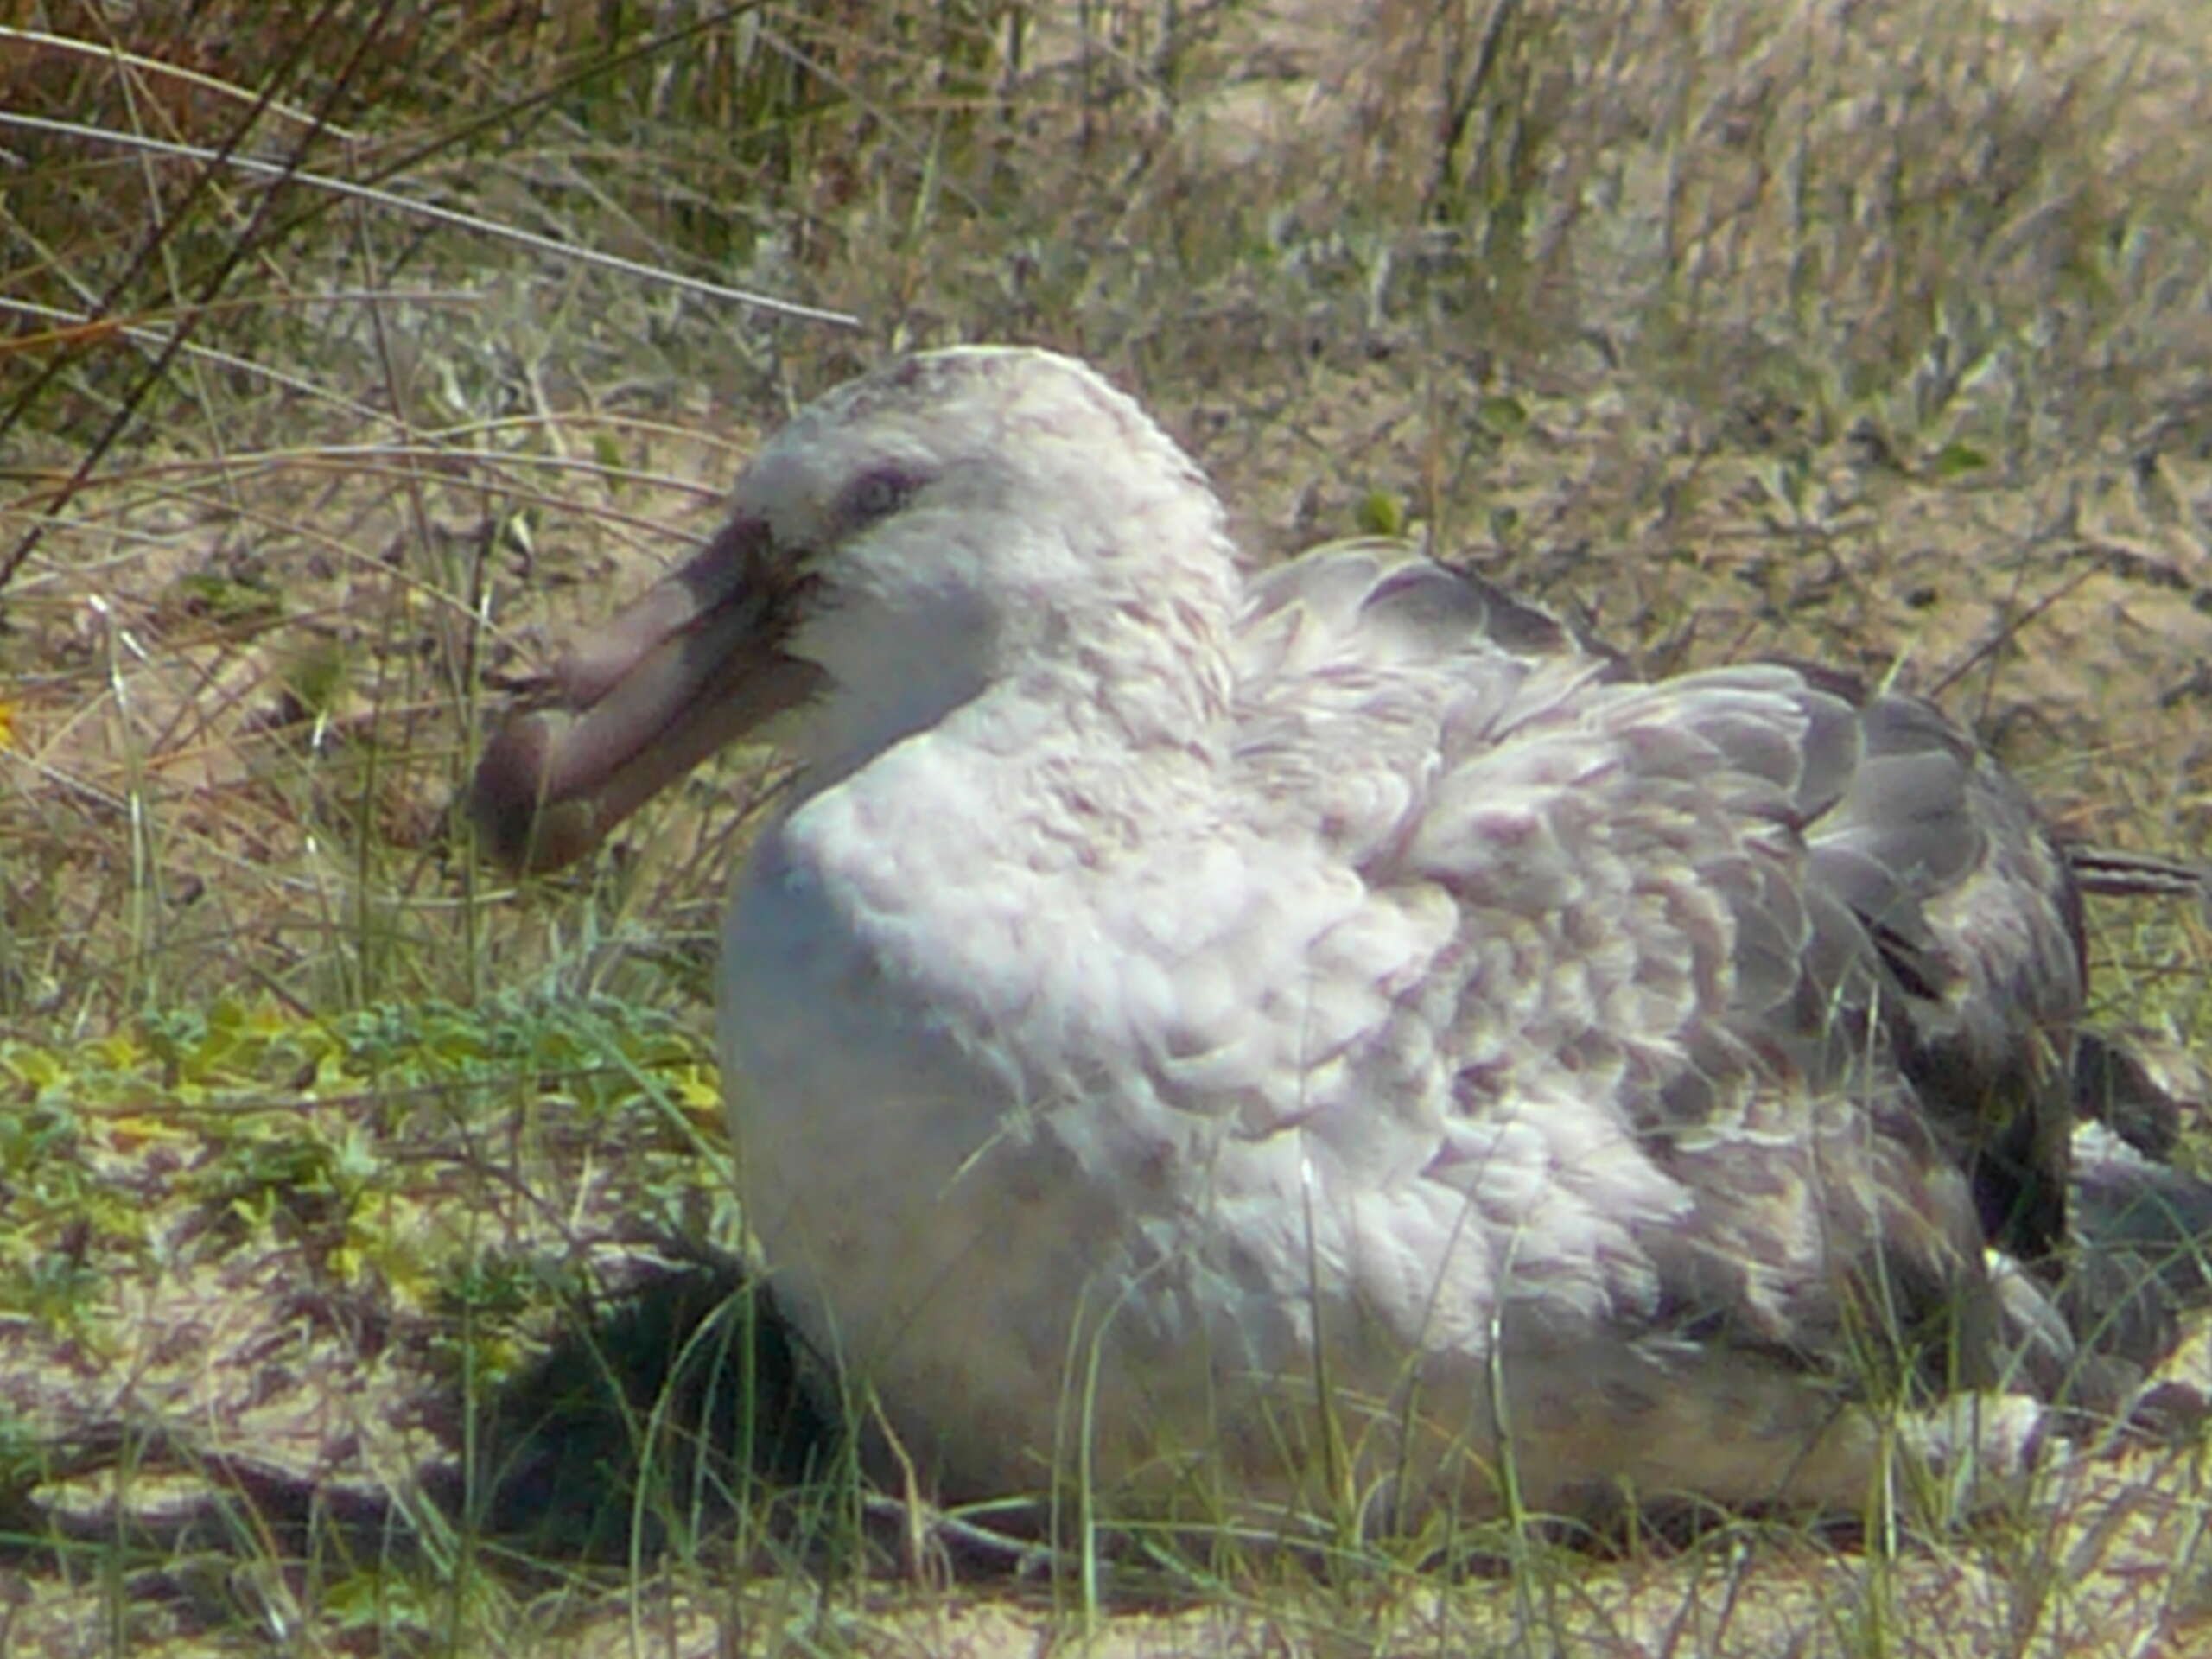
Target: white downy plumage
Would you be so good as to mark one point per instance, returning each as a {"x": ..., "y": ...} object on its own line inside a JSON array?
[{"x": 1169, "y": 1003}]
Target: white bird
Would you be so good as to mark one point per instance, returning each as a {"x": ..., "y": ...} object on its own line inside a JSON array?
[{"x": 1333, "y": 1036}]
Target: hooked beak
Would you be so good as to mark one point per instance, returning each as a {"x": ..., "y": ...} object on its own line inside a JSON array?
[{"x": 689, "y": 666}]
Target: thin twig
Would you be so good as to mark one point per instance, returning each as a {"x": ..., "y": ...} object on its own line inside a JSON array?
[{"x": 279, "y": 171}]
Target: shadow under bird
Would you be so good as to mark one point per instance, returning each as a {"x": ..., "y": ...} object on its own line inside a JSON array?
[{"x": 1255, "y": 1041}]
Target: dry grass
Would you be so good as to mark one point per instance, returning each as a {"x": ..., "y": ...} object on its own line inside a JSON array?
[{"x": 1875, "y": 331}]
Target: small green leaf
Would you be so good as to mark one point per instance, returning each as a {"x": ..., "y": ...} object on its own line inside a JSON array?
[
  {"x": 1958, "y": 457},
  {"x": 1381, "y": 513},
  {"x": 1502, "y": 413}
]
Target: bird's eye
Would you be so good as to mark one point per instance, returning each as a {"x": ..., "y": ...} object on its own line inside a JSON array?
[{"x": 876, "y": 493}]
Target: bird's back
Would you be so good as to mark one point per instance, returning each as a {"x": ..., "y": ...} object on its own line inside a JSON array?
[{"x": 1812, "y": 951}]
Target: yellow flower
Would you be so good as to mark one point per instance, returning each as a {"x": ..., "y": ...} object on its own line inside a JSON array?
[{"x": 6, "y": 724}]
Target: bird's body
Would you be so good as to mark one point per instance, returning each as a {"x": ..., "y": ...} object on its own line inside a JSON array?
[{"x": 1338, "y": 1035}]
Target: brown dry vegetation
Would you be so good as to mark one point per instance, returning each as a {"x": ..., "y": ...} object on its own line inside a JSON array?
[{"x": 1878, "y": 331}]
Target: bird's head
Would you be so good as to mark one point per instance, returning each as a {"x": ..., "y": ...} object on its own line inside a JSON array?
[{"x": 954, "y": 520}]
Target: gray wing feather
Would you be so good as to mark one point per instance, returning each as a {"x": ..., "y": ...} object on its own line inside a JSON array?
[{"x": 1861, "y": 945}]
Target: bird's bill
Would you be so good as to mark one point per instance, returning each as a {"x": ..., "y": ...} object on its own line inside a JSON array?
[{"x": 687, "y": 668}]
